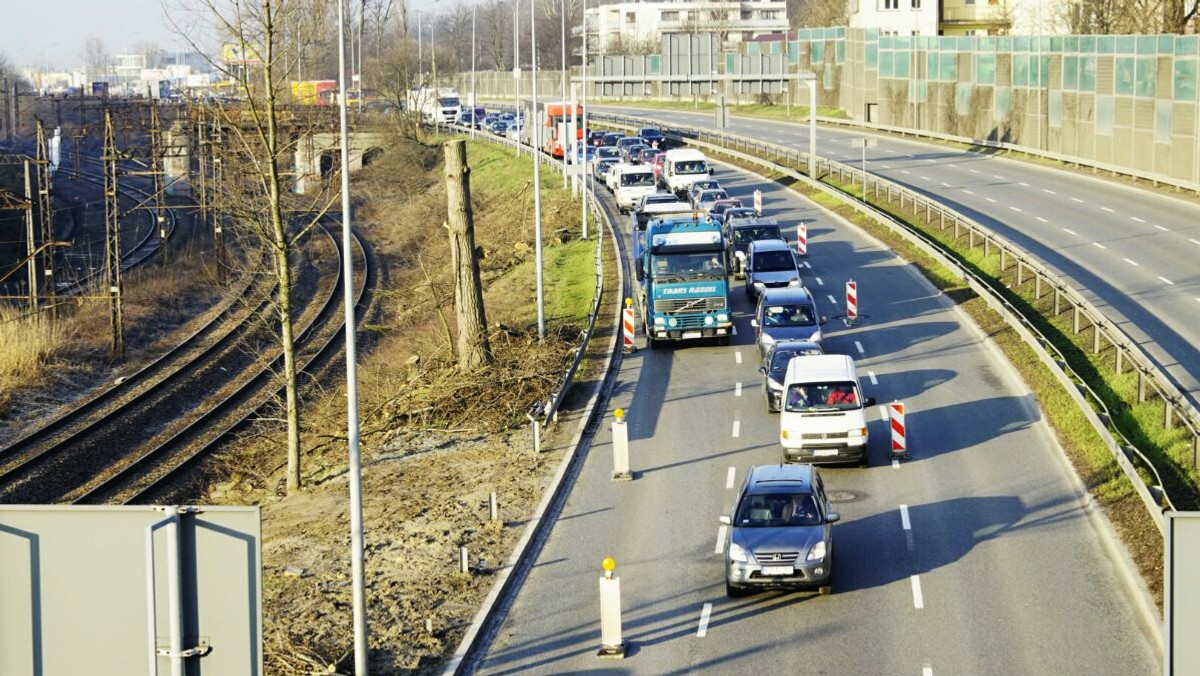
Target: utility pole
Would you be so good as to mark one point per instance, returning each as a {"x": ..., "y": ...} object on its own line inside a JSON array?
[
  {"x": 45, "y": 215},
  {"x": 112, "y": 239},
  {"x": 156, "y": 175},
  {"x": 474, "y": 102},
  {"x": 31, "y": 237},
  {"x": 537, "y": 175},
  {"x": 523, "y": 126},
  {"x": 566, "y": 145},
  {"x": 587, "y": 174}
]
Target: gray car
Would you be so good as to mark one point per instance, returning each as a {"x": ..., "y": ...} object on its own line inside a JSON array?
[
  {"x": 779, "y": 532},
  {"x": 770, "y": 264},
  {"x": 786, "y": 314}
]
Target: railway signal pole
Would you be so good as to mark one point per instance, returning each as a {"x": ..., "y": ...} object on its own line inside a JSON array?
[
  {"x": 156, "y": 174},
  {"x": 112, "y": 239},
  {"x": 45, "y": 216}
]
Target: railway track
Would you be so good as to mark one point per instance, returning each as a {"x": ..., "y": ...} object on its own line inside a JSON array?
[{"x": 187, "y": 401}]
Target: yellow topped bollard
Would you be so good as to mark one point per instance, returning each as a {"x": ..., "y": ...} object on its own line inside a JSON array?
[
  {"x": 620, "y": 443},
  {"x": 611, "y": 645}
]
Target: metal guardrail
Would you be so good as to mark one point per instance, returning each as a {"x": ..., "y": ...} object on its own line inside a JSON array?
[
  {"x": 1177, "y": 405},
  {"x": 548, "y": 410}
]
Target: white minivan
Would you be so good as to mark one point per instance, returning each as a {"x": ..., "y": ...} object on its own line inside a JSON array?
[
  {"x": 632, "y": 181},
  {"x": 823, "y": 417},
  {"x": 682, "y": 167}
]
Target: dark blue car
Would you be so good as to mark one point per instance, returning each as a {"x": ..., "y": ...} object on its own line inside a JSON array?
[{"x": 652, "y": 137}]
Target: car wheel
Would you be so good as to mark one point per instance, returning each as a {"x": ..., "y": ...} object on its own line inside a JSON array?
[
  {"x": 734, "y": 592},
  {"x": 825, "y": 590},
  {"x": 651, "y": 343}
]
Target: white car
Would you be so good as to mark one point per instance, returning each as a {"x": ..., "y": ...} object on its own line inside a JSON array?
[
  {"x": 610, "y": 178},
  {"x": 632, "y": 182}
]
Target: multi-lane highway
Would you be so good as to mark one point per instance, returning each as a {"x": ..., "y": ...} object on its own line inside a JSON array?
[
  {"x": 1131, "y": 252},
  {"x": 975, "y": 557}
]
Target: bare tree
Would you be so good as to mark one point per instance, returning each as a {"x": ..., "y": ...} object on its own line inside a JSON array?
[
  {"x": 817, "y": 13},
  {"x": 473, "y": 348},
  {"x": 496, "y": 41},
  {"x": 96, "y": 60},
  {"x": 259, "y": 147}
]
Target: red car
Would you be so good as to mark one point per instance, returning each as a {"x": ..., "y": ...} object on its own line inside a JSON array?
[{"x": 657, "y": 163}]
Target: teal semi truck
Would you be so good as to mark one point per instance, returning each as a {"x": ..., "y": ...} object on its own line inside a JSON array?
[{"x": 682, "y": 275}]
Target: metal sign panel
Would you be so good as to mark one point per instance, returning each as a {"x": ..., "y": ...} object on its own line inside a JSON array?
[
  {"x": 1181, "y": 595},
  {"x": 88, "y": 590}
]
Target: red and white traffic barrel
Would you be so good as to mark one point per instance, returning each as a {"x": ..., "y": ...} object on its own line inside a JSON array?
[
  {"x": 802, "y": 240},
  {"x": 629, "y": 329},
  {"x": 899, "y": 436},
  {"x": 852, "y": 301}
]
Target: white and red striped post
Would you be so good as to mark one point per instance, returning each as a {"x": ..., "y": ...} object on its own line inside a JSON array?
[
  {"x": 802, "y": 240},
  {"x": 899, "y": 438},
  {"x": 630, "y": 330},
  {"x": 852, "y": 301},
  {"x": 758, "y": 202}
]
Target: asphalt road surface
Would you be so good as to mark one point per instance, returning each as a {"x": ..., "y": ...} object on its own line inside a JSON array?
[
  {"x": 1131, "y": 252},
  {"x": 972, "y": 558}
]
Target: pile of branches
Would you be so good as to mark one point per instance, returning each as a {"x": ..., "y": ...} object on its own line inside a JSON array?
[{"x": 440, "y": 398}]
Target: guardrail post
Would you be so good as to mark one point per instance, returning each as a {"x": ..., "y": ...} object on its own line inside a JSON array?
[
  {"x": 942, "y": 215},
  {"x": 1020, "y": 273},
  {"x": 1168, "y": 409},
  {"x": 987, "y": 246},
  {"x": 1196, "y": 450},
  {"x": 1141, "y": 387},
  {"x": 1095, "y": 338},
  {"x": 928, "y": 211},
  {"x": 1120, "y": 365},
  {"x": 971, "y": 238},
  {"x": 1037, "y": 286},
  {"x": 1075, "y": 319},
  {"x": 1003, "y": 262},
  {"x": 1057, "y": 301},
  {"x": 957, "y": 224}
]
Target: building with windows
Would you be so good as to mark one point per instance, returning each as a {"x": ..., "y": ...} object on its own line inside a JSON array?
[
  {"x": 628, "y": 26},
  {"x": 932, "y": 17}
]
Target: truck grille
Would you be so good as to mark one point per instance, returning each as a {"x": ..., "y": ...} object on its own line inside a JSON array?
[
  {"x": 776, "y": 558},
  {"x": 671, "y": 305},
  {"x": 819, "y": 436}
]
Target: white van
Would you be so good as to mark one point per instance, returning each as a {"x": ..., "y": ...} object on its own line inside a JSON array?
[
  {"x": 632, "y": 181},
  {"x": 823, "y": 417},
  {"x": 682, "y": 167}
]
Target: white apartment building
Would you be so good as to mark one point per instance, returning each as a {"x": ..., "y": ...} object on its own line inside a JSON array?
[
  {"x": 896, "y": 17},
  {"x": 647, "y": 22}
]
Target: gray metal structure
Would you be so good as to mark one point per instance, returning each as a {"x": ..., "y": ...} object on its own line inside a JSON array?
[{"x": 127, "y": 591}]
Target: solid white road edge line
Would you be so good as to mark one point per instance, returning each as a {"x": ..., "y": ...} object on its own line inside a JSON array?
[
  {"x": 904, "y": 522},
  {"x": 721, "y": 533},
  {"x": 729, "y": 476},
  {"x": 702, "y": 630},
  {"x": 918, "y": 599}
]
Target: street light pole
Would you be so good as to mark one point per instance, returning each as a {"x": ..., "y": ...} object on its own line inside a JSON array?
[
  {"x": 517, "y": 79},
  {"x": 474, "y": 101},
  {"x": 587, "y": 174},
  {"x": 355, "y": 470},
  {"x": 537, "y": 174},
  {"x": 562, "y": 11}
]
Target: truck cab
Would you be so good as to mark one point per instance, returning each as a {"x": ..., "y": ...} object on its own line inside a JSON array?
[
  {"x": 683, "y": 288},
  {"x": 649, "y": 207},
  {"x": 681, "y": 168}
]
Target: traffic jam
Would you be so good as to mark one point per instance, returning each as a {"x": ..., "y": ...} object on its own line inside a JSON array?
[{"x": 690, "y": 244}]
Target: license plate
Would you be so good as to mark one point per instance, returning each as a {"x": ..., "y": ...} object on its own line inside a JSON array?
[
  {"x": 691, "y": 334},
  {"x": 778, "y": 570},
  {"x": 825, "y": 452}
]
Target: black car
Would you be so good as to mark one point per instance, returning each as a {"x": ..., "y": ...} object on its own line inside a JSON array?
[
  {"x": 652, "y": 137},
  {"x": 740, "y": 232},
  {"x": 634, "y": 151},
  {"x": 775, "y": 364},
  {"x": 611, "y": 138},
  {"x": 596, "y": 138}
]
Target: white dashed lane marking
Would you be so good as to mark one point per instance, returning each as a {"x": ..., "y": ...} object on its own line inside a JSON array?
[
  {"x": 1167, "y": 281},
  {"x": 998, "y": 177},
  {"x": 871, "y": 375},
  {"x": 858, "y": 346},
  {"x": 819, "y": 282},
  {"x": 737, "y": 390},
  {"x": 1135, "y": 218},
  {"x": 721, "y": 532},
  {"x": 918, "y": 599},
  {"x": 1016, "y": 209},
  {"x": 737, "y": 356},
  {"x": 974, "y": 171},
  {"x": 945, "y": 185},
  {"x": 923, "y": 178},
  {"x": 1048, "y": 191},
  {"x": 1162, "y": 228},
  {"x": 729, "y": 476},
  {"x": 1077, "y": 200},
  {"x": 1107, "y": 209},
  {"x": 1023, "y": 183},
  {"x": 1098, "y": 245},
  {"x": 990, "y": 200},
  {"x": 702, "y": 630},
  {"x": 1132, "y": 262},
  {"x": 1070, "y": 231},
  {"x": 1193, "y": 241},
  {"x": 926, "y": 671},
  {"x": 968, "y": 191},
  {"x": 832, "y": 300},
  {"x": 737, "y": 428},
  {"x": 904, "y": 522}
]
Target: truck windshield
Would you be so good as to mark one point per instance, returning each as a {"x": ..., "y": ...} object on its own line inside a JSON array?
[
  {"x": 747, "y": 235},
  {"x": 774, "y": 261},
  {"x": 688, "y": 266},
  {"x": 778, "y": 509},
  {"x": 806, "y": 397},
  {"x": 692, "y": 167},
  {"x": 789, "y": 315},
  {"x": 637, "y": 180},
  {"x": 448, "y": 102}
]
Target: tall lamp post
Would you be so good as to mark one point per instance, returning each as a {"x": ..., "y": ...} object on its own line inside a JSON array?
[
  {"x": 587, "y": 174},
  {"x": 355, "y": 471},
  {"x": 537, "y": 174},
  {"x": 521, "y": 126},
  {"x": 474, "y": 101},
  {"x": 562, "y": 11},
  {"x": 810, "y": 79}
]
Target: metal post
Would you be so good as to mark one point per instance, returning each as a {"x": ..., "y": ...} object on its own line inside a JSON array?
[
  {"x": 587, "y": 175},
  {"x": 1095, "y": 338},
  {"x": 175, "y": 591},
  {"x": 562, "y": 13},
  {"x": 620, "y": 442},
  {"x": 356, "y": 524},
  {"x": 537, "y": 177},
  {"x": 1075, "y": 320},
  {"x": 493, "y": 507},
  {"x": 31, "y": 241},
  {"x": 1141, "y": 387},
  {"x": 1119, "y": 367},
  {"x": 812, "y": 127},
  {"x": 46, "y": 214},
  {"x": 517, "y": 80},
  {"x": 464, "y": 563},
  {"x": 474, "y": 99},
  {"x": 112, "y": 239}
]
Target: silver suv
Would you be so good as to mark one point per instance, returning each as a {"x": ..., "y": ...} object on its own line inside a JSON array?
[{"x": 779, "y": 532}]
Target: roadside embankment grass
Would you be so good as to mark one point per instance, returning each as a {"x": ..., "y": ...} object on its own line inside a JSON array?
[{"x": 1086, "y": 451}]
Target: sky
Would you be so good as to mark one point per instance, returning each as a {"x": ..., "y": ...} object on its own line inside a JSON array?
[{"x": 64, "y": 25}]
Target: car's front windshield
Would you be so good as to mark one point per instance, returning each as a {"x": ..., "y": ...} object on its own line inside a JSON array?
[
  {"x": 789, "y": 315},
  {"x": 808, "y": 397},
  {"x": 685, "y": 266},
  {"x": 635, "y": 180},
  {"x": 747, "y": 235},
  {"x": 693, "y": 167},
  {"x": 774, "y": 261},
  {"x": 608, "y": 151},
  {"x": 780, "y": 359},
  {"x": 777, "y": 510},
  {"x": 710, "y": 196}
]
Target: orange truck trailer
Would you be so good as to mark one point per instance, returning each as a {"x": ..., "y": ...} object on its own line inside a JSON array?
[{"x": 556, "y": 118}]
